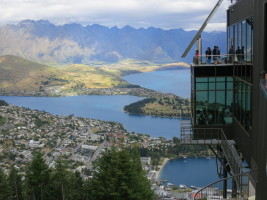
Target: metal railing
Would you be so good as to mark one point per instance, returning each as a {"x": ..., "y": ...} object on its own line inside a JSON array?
[
  {"x": 231, "y": 154},
  {"x": 208, "y": 136},
  {"x": 219, "y": 59},
  {"x": 241, "y": 189}
]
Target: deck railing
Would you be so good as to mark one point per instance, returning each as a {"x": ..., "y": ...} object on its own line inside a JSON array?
[
  {"x": 208, "y": 136},
  {"x": 241, "y": 189},
  {"x": 225, "y": 59}
]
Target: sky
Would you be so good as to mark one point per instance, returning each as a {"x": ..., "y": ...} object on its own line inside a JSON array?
[{"x": 165, "y": 14}]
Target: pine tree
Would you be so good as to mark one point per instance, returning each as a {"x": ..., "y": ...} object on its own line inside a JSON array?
[
  {"x": 15, "y": 183},
  {"x": 118, "y": 176},
  {"x": 37, "y": 179},
  {"x": 4, "y": 187},
  {"x": 59, "y": 182},
  {"x": 75, "y": 186},
  {"x": 65, "y": 184}
]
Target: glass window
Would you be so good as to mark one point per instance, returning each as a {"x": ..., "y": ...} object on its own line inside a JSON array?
[
  {"x": 202, "y": 86},
  {"x": 220, "y": 86},
  {"x": 198, "y": 80},
  {"x": 243, "y": 104},
  {"x": 249, "y": 39},
  {"x": 214, "y": 101},
  {"x": 211, "y": 86},
  {"x": 244, "y": 38},
  {"x": 211, "y": 79}
]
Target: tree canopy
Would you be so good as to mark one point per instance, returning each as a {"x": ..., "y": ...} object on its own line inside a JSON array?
[{"x": 118, "y": 176}]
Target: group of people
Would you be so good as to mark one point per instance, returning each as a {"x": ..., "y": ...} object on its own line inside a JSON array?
[
  {"x": 239, "y": 52},
  {"x": 210, "y": 54},
  {"x": 215, "y": 54}
]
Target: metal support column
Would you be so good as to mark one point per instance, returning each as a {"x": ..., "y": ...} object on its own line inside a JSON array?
[{"x": 224, "y": 176}]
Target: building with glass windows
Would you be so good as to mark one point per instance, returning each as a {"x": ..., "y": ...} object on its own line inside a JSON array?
[{"x": 229, "y": 103}]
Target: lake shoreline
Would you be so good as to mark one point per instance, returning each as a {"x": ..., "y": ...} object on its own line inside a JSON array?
[
  {"x": 165, "y": 161},
  {"x": 56, "y": 92}
]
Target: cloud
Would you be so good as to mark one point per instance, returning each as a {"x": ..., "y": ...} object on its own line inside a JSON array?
[{"x": 167, "y": 14}]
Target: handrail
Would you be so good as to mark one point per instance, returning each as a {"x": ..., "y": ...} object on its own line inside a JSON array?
[
  {"x": 207, "y": 135},
  {"x": 241, "y": 188},
  {"x": 219, "y": 59},
  {"x": 231, "y": 154}
]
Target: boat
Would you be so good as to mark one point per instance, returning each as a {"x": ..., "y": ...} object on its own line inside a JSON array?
[
  {"x": 193, "y": 187},
  {"x": 170, "y": 185},
  {"x": 181, "y": 186}
]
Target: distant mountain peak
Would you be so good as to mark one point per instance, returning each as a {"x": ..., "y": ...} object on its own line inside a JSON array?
[
  {"x": 45, "y": 42},
  {"x": 128, "y": 27},
  {"x": 33, "y": 22}
]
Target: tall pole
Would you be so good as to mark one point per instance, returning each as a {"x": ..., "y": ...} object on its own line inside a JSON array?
[
  {"x": 224, "y": 176},
  {"x": 197, "y": 36}
]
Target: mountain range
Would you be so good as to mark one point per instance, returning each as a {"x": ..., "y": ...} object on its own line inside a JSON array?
[{"x": 47, "y": 43}]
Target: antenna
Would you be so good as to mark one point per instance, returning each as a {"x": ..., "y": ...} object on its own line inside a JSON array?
[{"x": 198, "y": 35}]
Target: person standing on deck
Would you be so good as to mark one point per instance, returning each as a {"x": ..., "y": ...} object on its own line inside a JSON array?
[
  {"x": 196, "y": 58},
  {"x": 208, "y": 55},
  {"x": 214, "y": 53},
  {"x": 231, "y": 54},
  {"x": 218, "y": 53}
]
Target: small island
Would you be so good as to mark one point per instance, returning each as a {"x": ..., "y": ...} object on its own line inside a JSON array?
[{"x": 166, "y": 106}]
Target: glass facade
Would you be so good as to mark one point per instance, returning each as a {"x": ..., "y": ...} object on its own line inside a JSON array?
[
  {"x": 213, "y": 100},
  {"x": 240, "y": 43},
  {"x": 243, "y": 109}
]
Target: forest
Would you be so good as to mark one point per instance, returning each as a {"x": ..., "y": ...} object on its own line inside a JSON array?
[{"x": 117, "y": 175}]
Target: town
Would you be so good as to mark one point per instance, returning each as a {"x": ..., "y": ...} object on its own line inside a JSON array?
[{"x": 77, "y": 140}]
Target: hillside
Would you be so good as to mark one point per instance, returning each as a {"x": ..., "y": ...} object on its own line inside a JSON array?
[
  {"x": 18, "y": 74},
  {"x": 47, "y": 43}
]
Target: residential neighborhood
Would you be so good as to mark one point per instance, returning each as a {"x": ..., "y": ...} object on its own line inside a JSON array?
[{"x": 79, "y": 141}]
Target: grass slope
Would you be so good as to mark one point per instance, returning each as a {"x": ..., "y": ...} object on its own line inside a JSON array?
[{"x": 20, "y": 74}]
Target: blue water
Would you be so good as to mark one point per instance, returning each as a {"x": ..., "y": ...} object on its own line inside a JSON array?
[
  {"x": 191, "y": 171},
  {"x": 108, "y": 108},
  {"x": 172, "y": 81}
]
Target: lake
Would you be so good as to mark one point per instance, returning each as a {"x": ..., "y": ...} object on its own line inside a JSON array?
[
  {"x": 190, "y": 171},
  {"x": 172, "y": 81}
]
